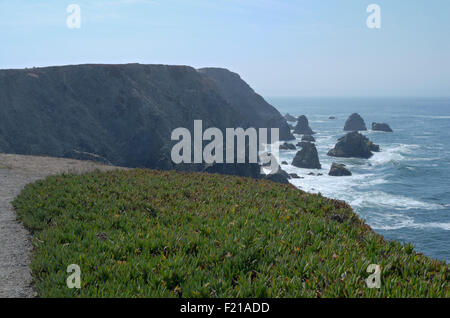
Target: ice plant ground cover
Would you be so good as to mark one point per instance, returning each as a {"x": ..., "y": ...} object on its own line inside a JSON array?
[{"x": 144, "y": 233}]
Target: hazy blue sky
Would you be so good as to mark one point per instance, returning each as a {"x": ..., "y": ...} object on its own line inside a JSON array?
[{"x": 295, "y": 48}]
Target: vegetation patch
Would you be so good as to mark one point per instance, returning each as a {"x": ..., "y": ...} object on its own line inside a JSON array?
[{"x": 143, "y": 233}]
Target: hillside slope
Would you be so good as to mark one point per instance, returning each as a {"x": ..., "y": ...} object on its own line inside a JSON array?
[
  {"x": 123, "y": 113},
  {"x": 143, "y": 233},
  {"x": 15, "y": 244}
]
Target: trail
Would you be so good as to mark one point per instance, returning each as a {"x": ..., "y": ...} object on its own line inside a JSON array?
[{"x": 15, "y": 242}]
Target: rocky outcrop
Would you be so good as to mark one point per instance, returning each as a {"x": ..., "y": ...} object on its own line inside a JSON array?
[
  {"x": 302, "y": 143},
  {"x": 287, "y": 146},
  {"x": 339, "y": 170},
  {"x": 302, "y": 127},
  {"x": 295, "y": 176},
  {"x": 308, "y": 138},
  {"x": 124, "y": 114},
  {"x": 381, "y": 127},
  {"x": 280, "y": 176},
  {"x": 268, "y": 160},
  {"x": 289, "y": 117},
  {"x": 373, "y": 147},
  {"x": 254, "y": 110},
  {"x": 307, "y": 157},
  {"x": 355, "y": 123},
  {"x": 354, "y": 145}
]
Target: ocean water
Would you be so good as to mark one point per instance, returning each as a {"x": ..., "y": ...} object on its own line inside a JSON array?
[{"x": 403, "y": 192}]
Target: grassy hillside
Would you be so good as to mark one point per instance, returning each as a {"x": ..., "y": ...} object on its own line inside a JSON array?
[{"x": 144, "y": 233}]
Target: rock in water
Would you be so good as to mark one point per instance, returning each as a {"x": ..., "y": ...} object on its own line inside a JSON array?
[
  {"x": 355, "y": 145},
  {"x": 308, "y": 138},
  {"x": 373, "y": 147},
  {"x": 287, "y": 146},
  {"x": 302, "y": 143},
  {"x": 302, "y": 127},
  {"x": 289, "y": 117},
  {"x": 355, "y": 123},
  {"x": 295, "y": 176},
  {"x": 332, "y": 117},
  {"x": 381, "y": 127},
  {"x": 307, "y": 157},
  {"x": 280, "y": 176},
  {"x": 339, "y": 170}
]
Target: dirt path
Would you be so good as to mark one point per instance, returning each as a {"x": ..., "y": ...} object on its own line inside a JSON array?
[{"x": 15, "y": 246}]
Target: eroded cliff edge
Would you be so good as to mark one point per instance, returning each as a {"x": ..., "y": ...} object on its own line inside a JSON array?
[{"x": 123, "y": 113}]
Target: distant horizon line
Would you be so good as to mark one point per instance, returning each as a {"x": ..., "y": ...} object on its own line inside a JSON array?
[{"x": 352, "y": 96}]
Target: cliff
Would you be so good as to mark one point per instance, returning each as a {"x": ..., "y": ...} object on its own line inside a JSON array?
[{"x": 122, "y": 113}]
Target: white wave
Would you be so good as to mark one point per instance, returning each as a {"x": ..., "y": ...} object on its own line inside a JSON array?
[
  {"x": 390, "y": 222},
  {"x": 442, "y": 226},
  {"x": 349, "y": 189},
  {"x": 396, "y": 221},
  {"x": 423, "y": 159},
  {"x": 334, "y": 187},
  {"x": 381, "y": 158},
  {"x": 412, "y": 225},
  {"x": 390, "y": 201},
  {"x": 393, "y": 153}
]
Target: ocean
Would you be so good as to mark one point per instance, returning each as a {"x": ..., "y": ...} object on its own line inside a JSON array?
[{"x": 402, "y": 192}]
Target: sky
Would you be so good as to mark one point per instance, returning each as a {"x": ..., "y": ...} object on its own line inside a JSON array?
[{"x": 280, "y": 47}]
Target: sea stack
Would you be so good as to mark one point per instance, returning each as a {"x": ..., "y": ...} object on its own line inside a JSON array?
[
  {"x": 339, "y": 170},
  {"x": 308, "y": 138},
  {"x": 289, "y": 117},
  {"x": 307, "y": 158},
  {"x": 302, "y": 143},
  {"x": 381, "y": 127},
  {"x": 355, "y": 123},
  {"x": 280, "y": 176},
  {"x": 354, "y": 145},
  {"x": 302, "y": 127},
  {"x": 287, "y": 146}
]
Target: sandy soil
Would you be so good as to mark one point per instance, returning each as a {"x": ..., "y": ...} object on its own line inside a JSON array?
[{"x": 15, "y": 245}]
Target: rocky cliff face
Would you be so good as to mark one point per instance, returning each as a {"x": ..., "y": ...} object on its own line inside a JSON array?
[
  {"x": 122, "y": 113},
  {"x": 256, "y": 112}
]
